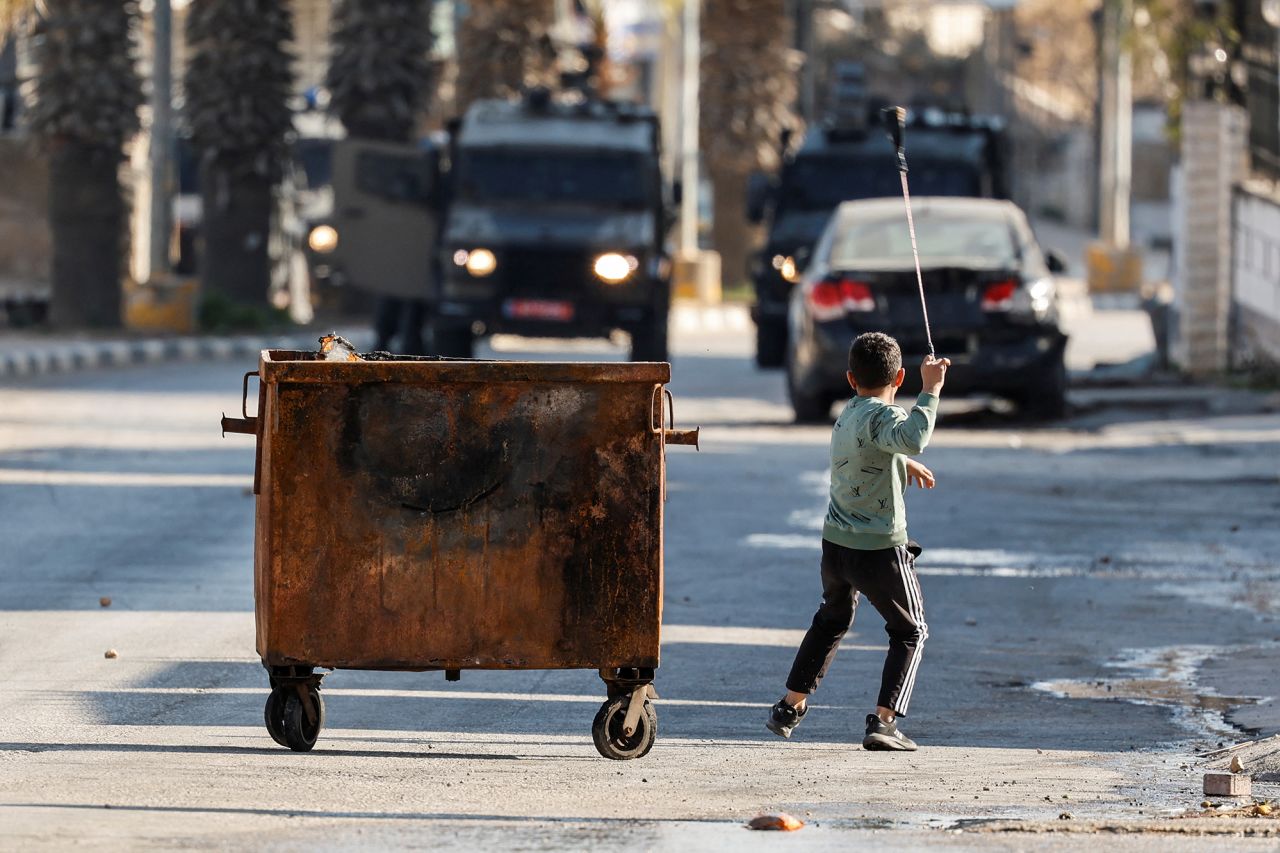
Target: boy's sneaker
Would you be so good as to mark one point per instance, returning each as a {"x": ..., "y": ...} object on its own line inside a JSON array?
[
  {"x": 885, "y": 736},
  {"x": 783, "y": 718}
]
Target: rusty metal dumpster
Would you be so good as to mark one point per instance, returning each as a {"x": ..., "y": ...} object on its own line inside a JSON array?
[{"x": 459, "y": 514}]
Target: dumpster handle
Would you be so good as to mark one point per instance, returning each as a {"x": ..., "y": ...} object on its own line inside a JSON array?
[
  {"x": 669, "y": 434},
  {"x": 244, "y": 392},
  {"x": 656, "y": 408}
]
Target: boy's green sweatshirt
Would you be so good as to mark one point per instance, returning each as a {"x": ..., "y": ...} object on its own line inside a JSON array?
[{"x": 869, "y": 446}]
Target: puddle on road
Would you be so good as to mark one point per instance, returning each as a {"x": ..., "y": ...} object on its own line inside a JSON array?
[{"x": 1163, "y": 677}]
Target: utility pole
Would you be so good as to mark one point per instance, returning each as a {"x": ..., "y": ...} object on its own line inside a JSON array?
[
  {"x": 1116, "y": 125},
  {"x": 161, "y": 138},
  {"x": 689, "y": 84}
]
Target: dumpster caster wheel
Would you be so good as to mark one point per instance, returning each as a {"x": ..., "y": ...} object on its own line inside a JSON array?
[
  {"x": 274, "y": 714},
  {"x": 610, "y": 738},
  {"x": 300, "y": 729}
]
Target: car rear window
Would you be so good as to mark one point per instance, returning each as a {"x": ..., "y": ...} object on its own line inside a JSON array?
[{"x": 975, "y": 238}]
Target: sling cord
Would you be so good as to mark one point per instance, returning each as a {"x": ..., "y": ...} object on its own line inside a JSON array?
[{"x": 897, "y": 117}]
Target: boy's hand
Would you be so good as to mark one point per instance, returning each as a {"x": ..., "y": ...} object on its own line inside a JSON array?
[
  {"x": 918, "y": 475},
  {"x": 933, "y": 372}
]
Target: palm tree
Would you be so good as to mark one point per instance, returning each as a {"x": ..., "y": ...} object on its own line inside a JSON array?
[
  {"x": 379, "y": 75},
  {"x": 748, "y": 89},
  {"x": 379, "y": 80},
  {"x": 238, "y": 84},
  {"x": 87, "y": 96},
  {"x": 504, "y": 46}
]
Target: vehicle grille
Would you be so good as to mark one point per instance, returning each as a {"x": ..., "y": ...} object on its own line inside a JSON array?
[{"x": 547, "y": 273}]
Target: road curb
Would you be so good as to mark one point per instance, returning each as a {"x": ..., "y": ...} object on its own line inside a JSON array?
[
  {"x": 38, "y": 359},
  {"x": 725, "y": 317}
]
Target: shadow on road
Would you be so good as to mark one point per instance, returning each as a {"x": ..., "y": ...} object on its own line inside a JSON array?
[{"x": 213, "y": 749}]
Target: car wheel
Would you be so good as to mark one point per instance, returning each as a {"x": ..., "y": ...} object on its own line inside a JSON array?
[
  {"x": 1045, "y": 399},
  {"x": 808, "y": 408},
  {"x": 452, "y": 340},
  {"x": 811, "y": 409},
  {"x": 771, "y": 342},
  {"x": 649, "y": 342}
]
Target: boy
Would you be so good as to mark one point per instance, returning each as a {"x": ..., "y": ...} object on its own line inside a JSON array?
[{"x": 864, "y": 539}]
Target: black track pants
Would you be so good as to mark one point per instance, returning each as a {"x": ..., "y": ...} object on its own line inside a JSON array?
[{"x": 888, "y": 579}]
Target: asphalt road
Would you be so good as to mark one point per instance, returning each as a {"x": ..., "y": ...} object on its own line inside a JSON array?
[{"x": 1093, "y": 590}]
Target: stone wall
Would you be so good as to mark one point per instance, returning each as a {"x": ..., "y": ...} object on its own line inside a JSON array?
[{"x": 1214, "y": 140}]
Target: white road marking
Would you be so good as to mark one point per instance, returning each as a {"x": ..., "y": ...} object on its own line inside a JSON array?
[
  {"x": 48, "y": 477},
  {"x": 731, "y": 635}
]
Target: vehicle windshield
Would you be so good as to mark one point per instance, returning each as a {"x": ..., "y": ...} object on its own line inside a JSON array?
[
  {"x": 978, "y": 238},
  {"x": 821, "y": 183},
  {"x": 594, "y": 178}
]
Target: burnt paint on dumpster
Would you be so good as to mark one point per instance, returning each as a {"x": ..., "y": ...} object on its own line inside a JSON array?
[{"x": 459, "y": 515}]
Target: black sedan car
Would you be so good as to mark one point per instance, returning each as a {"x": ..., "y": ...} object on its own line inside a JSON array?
[{"x": 991, "y": 294}]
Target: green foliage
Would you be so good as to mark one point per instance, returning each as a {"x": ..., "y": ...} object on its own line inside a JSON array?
[
  {"x": 1169, "y": 33},
  {"x": 87, "y": 90},
  {"x": 220, "y": 314},
  {"x": 239, "y": 81},
  {"x": 379, "y": 73}
]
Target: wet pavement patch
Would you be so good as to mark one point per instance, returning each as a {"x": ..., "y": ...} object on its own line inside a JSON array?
[{"x": 1166, "y": 677}]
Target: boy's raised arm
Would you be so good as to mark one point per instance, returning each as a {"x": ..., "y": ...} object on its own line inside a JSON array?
[{"x": 895, "y": 431}]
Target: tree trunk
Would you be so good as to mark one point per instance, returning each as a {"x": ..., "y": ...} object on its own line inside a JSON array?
[
  {"x": 236, "y": 224},
  {"x": 87, "y": 216},
  {"x": 730, "y": 235}
]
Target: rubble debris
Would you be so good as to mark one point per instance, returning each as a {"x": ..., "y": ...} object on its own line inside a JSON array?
[
  {"x": 1260, "y": 756},
  {"x": 1227, "y": 785},
  {"x": 781, "y": 821},
  {"x": 1236, "y": 766},
  {"x": 105, "y": 601},
  {"x": 1259, "y": 809},
  {"x": 334, "y": 347},
  {"x": 1216, "y": 752},
  {"x": 111, "y": 654}
]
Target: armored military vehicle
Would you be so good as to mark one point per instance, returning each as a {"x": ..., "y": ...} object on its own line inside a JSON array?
[
  {"x": 555, "y": 226},
  {"x": 951, "y": 154}
]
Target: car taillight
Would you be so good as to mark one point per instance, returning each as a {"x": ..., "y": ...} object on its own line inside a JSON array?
[
  {"x": 831, "y": 300},
  {"x": 999, "y": 296},
  {"x": 856, "y": 296}
]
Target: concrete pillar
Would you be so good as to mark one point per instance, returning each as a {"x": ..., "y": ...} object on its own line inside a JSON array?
[{"x": 1214, "y": 160}]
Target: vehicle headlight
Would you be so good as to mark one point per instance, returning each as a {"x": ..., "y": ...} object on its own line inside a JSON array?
[
  {"x": 478, "y": 262},
  {"x": 789, "y": 270},
  {"x": 614, "y": 268},
  {"x": 323, "y": 239}
]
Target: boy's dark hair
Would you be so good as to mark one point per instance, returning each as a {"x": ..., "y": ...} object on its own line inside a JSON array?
[{"x": 874, "y": 360}]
